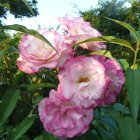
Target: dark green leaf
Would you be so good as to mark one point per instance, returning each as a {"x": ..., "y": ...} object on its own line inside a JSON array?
[
  {"x": 2, "y": 53},
  {"x": 109, "y": 39},
  {"x": 110, "y": 122},
  {"x": 24, "y": 137},
  {"x": 45, "y": 136},
  {"x": 22, "y": 128},
  {"x": 40, "y": 85},
  {"x": 48, "y": 136},
  {"x": 105, "y": 134},
  {"x": 29, "y": 7},
  {"x": 120, "y": 107},
  {"x": 23, "y": 29},
  {"x": 37, "y": 100},
  {"x": 18, "y": 75},
  {"x": 8, "y": 104},
  {"x": 12, "y": 50},
  {"x": 127, "y": 26},
  {"x": 39, "y": 138},
  {"x": 133, "y": 87}
]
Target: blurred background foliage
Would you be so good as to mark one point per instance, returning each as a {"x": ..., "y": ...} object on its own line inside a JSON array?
[
  {"x": 34, "y": 87},
  {"x": 18, "y": 8}
]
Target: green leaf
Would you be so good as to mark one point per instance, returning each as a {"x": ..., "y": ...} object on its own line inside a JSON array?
[
  {"x": 124, "y": 64},
  {"x": 104, "y": 53},
  {"x": 105, "y": 134},
  {"x": 39, "y": 138},
  {"x": 23, "y": 29},
  {"x": 12, "y": 50},
  {"x": 126, "y": 125},
  {"x": 8, "y": 104},
  {"x": 120, "y": 107},
  {"x": 29, "y": 7},
  {"x": 2, "y": 53},
  {"x": 40, "y": 85},
  {"x": 108, "y": 39},
  {"x": 45, "y": 136},
  {"x": 133, "y": 88},
  {"x": 48, "y": 136},
  {"x": 22, "y": 128},
  {"x": 110, "y": 122},
  {"x": 24, "y": 137},
  {"x": 18, "y": 75},
  {"x": 6, "y": 5},
  {"x": 127, "y": 26},
  {"x": 37, "y": 100}
]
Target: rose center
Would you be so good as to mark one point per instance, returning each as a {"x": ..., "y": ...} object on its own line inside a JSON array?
[{"x": 83, "y": 79}]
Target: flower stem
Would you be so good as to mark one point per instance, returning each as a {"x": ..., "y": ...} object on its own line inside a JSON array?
[{"x": 136, "y": 54}]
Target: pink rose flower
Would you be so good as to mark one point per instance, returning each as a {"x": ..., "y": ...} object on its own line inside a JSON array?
[
  {"x": 64, "y": 119},
  {"x": 116, "y": 79},
  {"x": 36, "y": 54},
  {"x": 79, "y": 30},
  {"x": 82, "y": 81}
]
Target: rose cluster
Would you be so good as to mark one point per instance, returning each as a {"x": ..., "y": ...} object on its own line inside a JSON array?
[{"x": 85, "y": 81}]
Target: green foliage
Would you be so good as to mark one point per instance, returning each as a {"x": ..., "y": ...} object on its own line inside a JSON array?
[
  {"x": 115, "y": 9},
  {"x": 29, "y": 7},
  {"x": 8, "y": 104},
  {"x": 36, "y": 86},
  {"x": 19, "y": 8},
  {"x": 128, "y": 27},
  {"x": 22, "y": 128},
  {"x": 126, "y": 125},
  {"x": 45, "y": 136},
  {"x": 133, "y": 87},
  {"x": 18, "y": 105}
]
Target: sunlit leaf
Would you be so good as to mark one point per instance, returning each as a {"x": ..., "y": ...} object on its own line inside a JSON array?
[
  {"x": 105, "y": 53},
  {"x": 124, "y": 64},
  {"x": 127, "y": 26},
  {"x": 6, "y": 5},
  {"x": 23, "y": 29},
  {"x": 108, "y": 39}
]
